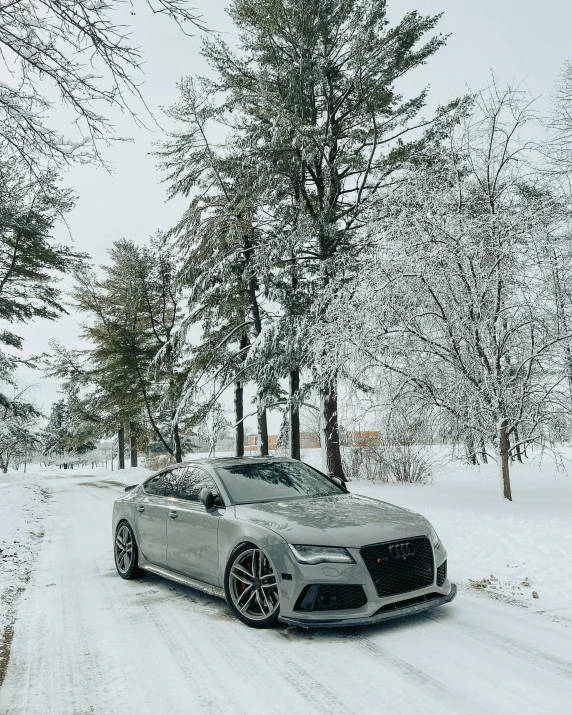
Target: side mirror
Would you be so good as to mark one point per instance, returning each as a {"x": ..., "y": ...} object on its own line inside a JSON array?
[
  {"x": 207, "y": 498},
  {"x": 129, "y": 489}
]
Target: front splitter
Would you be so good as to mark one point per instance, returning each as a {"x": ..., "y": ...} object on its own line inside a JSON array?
[{"x": 376, "y": 618}]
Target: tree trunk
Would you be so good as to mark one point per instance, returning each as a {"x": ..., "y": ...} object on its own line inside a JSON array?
[
  {"x": 121, "y": 447},
  {"x": 517, "y": 448},
  {"x": 257, "y": 325},
  {"x": 238, "y": 418},
  {"x": 329, "y": 431},
  {"x": 263, "y": 433},
  {"x": 484, "y": 452},
  {"x": 503, "y": 462},
  {"x": 262, "y": 430},
  {"x": 177, "y": 441},
  {"x": 470, "y": 449},
  {"x": 294, "y": 421},
  {"x": 133, "y": 444}
]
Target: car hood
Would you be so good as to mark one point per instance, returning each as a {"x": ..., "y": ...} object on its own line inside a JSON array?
[{"x": 346, "y": 520}]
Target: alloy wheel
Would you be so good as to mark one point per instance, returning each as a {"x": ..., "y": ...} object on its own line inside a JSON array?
[
  {"x": 123, "y": 549},
  {"x": 253, "y": 586}
]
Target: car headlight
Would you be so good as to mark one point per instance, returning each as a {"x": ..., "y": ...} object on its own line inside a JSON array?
[
  {"x": 435, "y": 540},
  {"x": 321, "y": 554}
]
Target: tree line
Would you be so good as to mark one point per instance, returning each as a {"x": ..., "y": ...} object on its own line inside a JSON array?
[
  {"x": 339, "y": 236},
  {"x": 314, "y": 131},
  {"x": 79, "y": 57}
]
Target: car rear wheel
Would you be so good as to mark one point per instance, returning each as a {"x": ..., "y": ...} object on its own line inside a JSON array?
[
  {"x": 126, "y": 554},
  {"x": 251, "y": 587}
]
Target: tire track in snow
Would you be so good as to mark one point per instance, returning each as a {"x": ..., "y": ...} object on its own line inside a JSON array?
[
  {"x": 523, "y": 651},
  {"x": 246, "y": 642},
  {"x": 60, "y": 666},
  {"x": 306, "y": 685},
  {"x": 442, "y": 693},
  {"x": 81, "y": 667},
  {"x": 249, "y": 649},
  {"x": 190, "y": 671}
]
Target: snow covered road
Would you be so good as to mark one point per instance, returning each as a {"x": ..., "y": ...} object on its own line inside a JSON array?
[{"x": 88, "y": 643}]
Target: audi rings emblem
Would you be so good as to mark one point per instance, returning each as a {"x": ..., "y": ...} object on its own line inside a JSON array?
[{"x": 401, "y": 551}]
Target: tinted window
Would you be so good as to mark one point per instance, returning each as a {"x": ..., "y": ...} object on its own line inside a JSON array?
[
  {"x": 163, "y": 484},
  {"x": 270, "y": 481},
  {"x": 190, "y": 481}
]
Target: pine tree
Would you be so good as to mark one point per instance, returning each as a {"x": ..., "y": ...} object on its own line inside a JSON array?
[
  {"x": 131, "y": 366},
  {"x": 64, "y": 436},
  {"x": 19, "y": 429},
  {"x": 30, "y": 260},
  {"x": 218, "y": 239},
  {"x": 314, "y": 86}
]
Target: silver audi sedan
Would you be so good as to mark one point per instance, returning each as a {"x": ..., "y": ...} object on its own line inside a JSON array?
[{"x": 280, "y": 541}]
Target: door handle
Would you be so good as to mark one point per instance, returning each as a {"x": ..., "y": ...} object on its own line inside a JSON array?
[
  {"x": 140, "y": 509},
  {"x": 173, "y": 514}
]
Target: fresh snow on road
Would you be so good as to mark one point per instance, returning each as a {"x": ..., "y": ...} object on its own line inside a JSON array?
[{"x": 88, "y": 643}]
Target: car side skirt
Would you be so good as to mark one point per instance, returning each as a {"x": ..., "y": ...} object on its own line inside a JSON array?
[
  {"x": 376, "y": 618},
  {"x": 184, "y": 580}
]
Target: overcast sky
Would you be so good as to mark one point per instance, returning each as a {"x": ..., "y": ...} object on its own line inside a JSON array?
[{"x": 520, "y": 40}]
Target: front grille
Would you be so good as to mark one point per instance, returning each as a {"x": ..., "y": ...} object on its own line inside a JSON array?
[
  {"x": 337, "y": 597},
  {"x": 441, "y": 573},
  {"x": 400, "y": 566}
]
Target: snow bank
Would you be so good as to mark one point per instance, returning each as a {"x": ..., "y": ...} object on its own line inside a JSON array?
[{"x": 22, "y": 508}]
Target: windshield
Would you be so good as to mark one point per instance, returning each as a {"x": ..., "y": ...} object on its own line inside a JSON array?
[{"x": 272, "y": 481}]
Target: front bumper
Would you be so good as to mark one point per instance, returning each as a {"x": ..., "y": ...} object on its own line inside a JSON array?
[
  {"x": 385, "y": 615},
  {"x": 293, "y": 577}
]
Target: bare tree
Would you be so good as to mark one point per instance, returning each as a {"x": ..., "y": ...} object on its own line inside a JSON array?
[
  {"x": 213, "y": 427},
  {"x": 455, "y": 300},
  {"x": 79, "y": 50},
  {"x": 559, "y": 122}
]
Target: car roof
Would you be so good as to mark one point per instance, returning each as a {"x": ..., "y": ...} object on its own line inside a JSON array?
[
  {"x": 233, "y": 461},
  {"x": 226, "y": 461}
]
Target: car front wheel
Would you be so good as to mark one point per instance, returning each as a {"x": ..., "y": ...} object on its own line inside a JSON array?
[
  {"x": 251, "y": 587},
  {"x": 126, "y": 554}
]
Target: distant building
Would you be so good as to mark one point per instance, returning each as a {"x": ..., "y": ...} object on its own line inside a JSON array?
[{"x": 311, "y": 440}]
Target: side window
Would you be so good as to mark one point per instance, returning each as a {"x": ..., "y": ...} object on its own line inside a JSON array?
[
  {"x": 172, "y": 478},
  {"x": 163, "y": 484},
  {"x": 190, "y": 482},
  {"x": 155, "y": 485}
]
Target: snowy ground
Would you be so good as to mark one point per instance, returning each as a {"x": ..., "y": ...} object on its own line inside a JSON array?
[
  {"x": 22, "y": 508},
  {"x": 88, "y": 643},
  {"x": 18, "y": 544}
]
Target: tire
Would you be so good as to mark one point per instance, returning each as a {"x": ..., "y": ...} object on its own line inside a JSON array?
[
  {"x": 251, "y": 587},
  {"x": 126, "y": 552}
]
